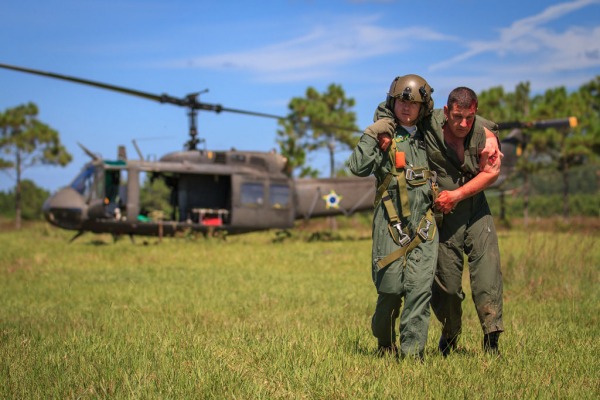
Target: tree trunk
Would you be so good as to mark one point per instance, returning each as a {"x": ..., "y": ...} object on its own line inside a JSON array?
[
  {"x": 526, "y": 199},
  {"x": 565, "y": 176},
  {"x": 331, "y": 146},
  {"x": 18, "y": 193},
  {"x": 502, "y": 206}
]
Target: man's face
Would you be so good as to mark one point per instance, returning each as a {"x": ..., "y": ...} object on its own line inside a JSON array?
[
  {"x": 460, "y": 120},
  {"x": 407, "y": 112}
]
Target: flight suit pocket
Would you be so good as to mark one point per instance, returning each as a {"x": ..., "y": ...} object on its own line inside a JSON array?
[{"x": 388, "y": 279}]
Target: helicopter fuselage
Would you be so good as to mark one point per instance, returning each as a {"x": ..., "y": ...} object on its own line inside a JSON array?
[{"x": 233, "y": 191}]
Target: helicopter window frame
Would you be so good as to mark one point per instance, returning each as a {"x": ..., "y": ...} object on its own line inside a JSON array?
[
  {"x": 99, "y": 184},
  {"x": 252, "y": 194},
  {"x": 279, "y": 195},
  {"x": 83, "y": 183}
]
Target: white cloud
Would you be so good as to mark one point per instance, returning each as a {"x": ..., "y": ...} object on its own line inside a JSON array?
[
  {"x": 320, "y": 51},
  {"x": 574, "y": 48}
]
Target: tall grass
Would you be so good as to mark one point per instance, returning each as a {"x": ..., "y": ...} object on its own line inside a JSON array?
[{"x": 249, "y": 318}]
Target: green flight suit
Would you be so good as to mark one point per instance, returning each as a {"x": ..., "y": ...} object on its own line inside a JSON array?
[
  {"x": 468, "y": 229},
  {"x": 411, "y": 276}
]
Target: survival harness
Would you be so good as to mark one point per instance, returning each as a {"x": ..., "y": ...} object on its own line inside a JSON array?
[{"x": 414, "y": 176}]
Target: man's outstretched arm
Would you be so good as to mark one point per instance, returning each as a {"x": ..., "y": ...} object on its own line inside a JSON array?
[{"x": 489, "y": 167}]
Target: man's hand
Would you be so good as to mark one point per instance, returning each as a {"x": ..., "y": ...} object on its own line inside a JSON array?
[
  {"x": 447, "y": 200},
  {"x": 491, "y": 156},
  {"x": 382, "y": 126},
  {"x": 385, "y": 140}
]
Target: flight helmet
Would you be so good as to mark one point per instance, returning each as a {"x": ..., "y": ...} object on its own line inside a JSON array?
[{"x": 412, "y": 88}]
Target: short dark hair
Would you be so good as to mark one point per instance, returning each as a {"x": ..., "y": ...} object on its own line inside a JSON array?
[{"x": 463, "y": 97}]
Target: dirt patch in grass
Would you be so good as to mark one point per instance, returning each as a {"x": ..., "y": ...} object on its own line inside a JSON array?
[{"x": 8, "y": 224}]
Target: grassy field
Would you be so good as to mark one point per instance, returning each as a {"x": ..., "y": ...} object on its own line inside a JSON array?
[{"x": 247, "y": 318}]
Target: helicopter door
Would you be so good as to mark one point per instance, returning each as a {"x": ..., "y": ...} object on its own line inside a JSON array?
[
  {"x": 204, "y": 199},
  {"x": 261, "y": 203}
]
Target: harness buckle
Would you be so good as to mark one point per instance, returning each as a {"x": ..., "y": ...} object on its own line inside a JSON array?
[
  {"x": 411, "y": 174},
  {"x": 403, "y": 238},
  {"x": 424, "y": 232},
  {"x": 433, "y": 176}
]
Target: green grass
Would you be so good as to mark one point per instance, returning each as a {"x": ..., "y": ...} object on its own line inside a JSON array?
[{"x": 247, "y": 318}]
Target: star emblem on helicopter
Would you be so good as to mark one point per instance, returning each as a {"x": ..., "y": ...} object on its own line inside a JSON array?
[{"x": 332, "y": 199}]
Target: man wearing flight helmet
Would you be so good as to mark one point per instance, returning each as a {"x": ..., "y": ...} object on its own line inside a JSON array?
[
  {"x": 405, "y": 239},
  {"x": 463, "y": 152}
]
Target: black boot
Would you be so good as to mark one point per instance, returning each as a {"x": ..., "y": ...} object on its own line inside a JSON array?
[
  {"x": 490, "y": 343},
  {"x": 446, "y": 346},
  {"x": 389, "y": 350}
]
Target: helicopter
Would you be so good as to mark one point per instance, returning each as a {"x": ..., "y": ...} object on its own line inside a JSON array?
[
  {"x": 515, "y": 142},
  {"x": 212, "y": 191}
]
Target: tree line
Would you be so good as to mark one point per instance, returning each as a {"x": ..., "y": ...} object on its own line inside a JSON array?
[{"x": 326, "y": 120}]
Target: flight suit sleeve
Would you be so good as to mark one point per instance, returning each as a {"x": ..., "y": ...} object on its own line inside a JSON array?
[
  {"x": 481, "y": 123},
  {"x": 366, "y": 156},
  {"x": 382, "y": 112}
]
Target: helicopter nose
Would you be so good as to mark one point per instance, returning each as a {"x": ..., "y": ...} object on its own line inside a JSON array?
[{"x": 65, "y": 209}]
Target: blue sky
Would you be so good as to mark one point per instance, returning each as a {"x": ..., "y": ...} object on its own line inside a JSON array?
[{"x": 257, "y": 55}]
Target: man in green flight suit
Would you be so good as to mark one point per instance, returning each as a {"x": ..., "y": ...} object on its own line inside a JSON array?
[
  {"x": 454, "y": 141},
  {"x": 405, "y": 238}
]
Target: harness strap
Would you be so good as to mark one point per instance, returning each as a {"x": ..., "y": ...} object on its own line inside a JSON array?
[
  {"x": 399, "y": 235},
  {"x": 402, "y": 188},
  {"x": 425, "y": 230},
  {"x": 398, "y": 172},
  {"x": 382, "y": 188},
  {"x": 391, "y": 210},
  {"x": 404, "y": 176},
  {"x": 401, "y": 178},
  {"x": 435, "y": 191}
]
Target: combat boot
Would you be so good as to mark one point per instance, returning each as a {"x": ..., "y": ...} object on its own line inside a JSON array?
[
  {"x": 419, "y": 357},
  {"x": 490, "y": 343},
  {"x": 387, "y": 350},
  {"x": 446, "y": 346}
]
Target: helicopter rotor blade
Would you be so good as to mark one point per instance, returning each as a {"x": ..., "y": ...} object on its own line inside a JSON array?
[
  {"x": 190, "y": 101},
  {"x": 279, "y": 117},
  {"x": 101, "y": 85},
  {"x": 253, "y": 113}
]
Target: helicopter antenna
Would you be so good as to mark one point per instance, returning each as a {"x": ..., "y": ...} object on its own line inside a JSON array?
[
  {"x": 89, "y": 152},
  {"x": 137, "y": 149}
]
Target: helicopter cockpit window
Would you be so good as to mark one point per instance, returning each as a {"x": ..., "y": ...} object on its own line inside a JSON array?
[
  {"x": 252, "y": 194},
  {"x": 83, "y": 182},
  {"x": 279, "y": 196}
]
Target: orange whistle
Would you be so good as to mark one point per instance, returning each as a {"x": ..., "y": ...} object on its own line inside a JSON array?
[{"x": 400, "y": 159}]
